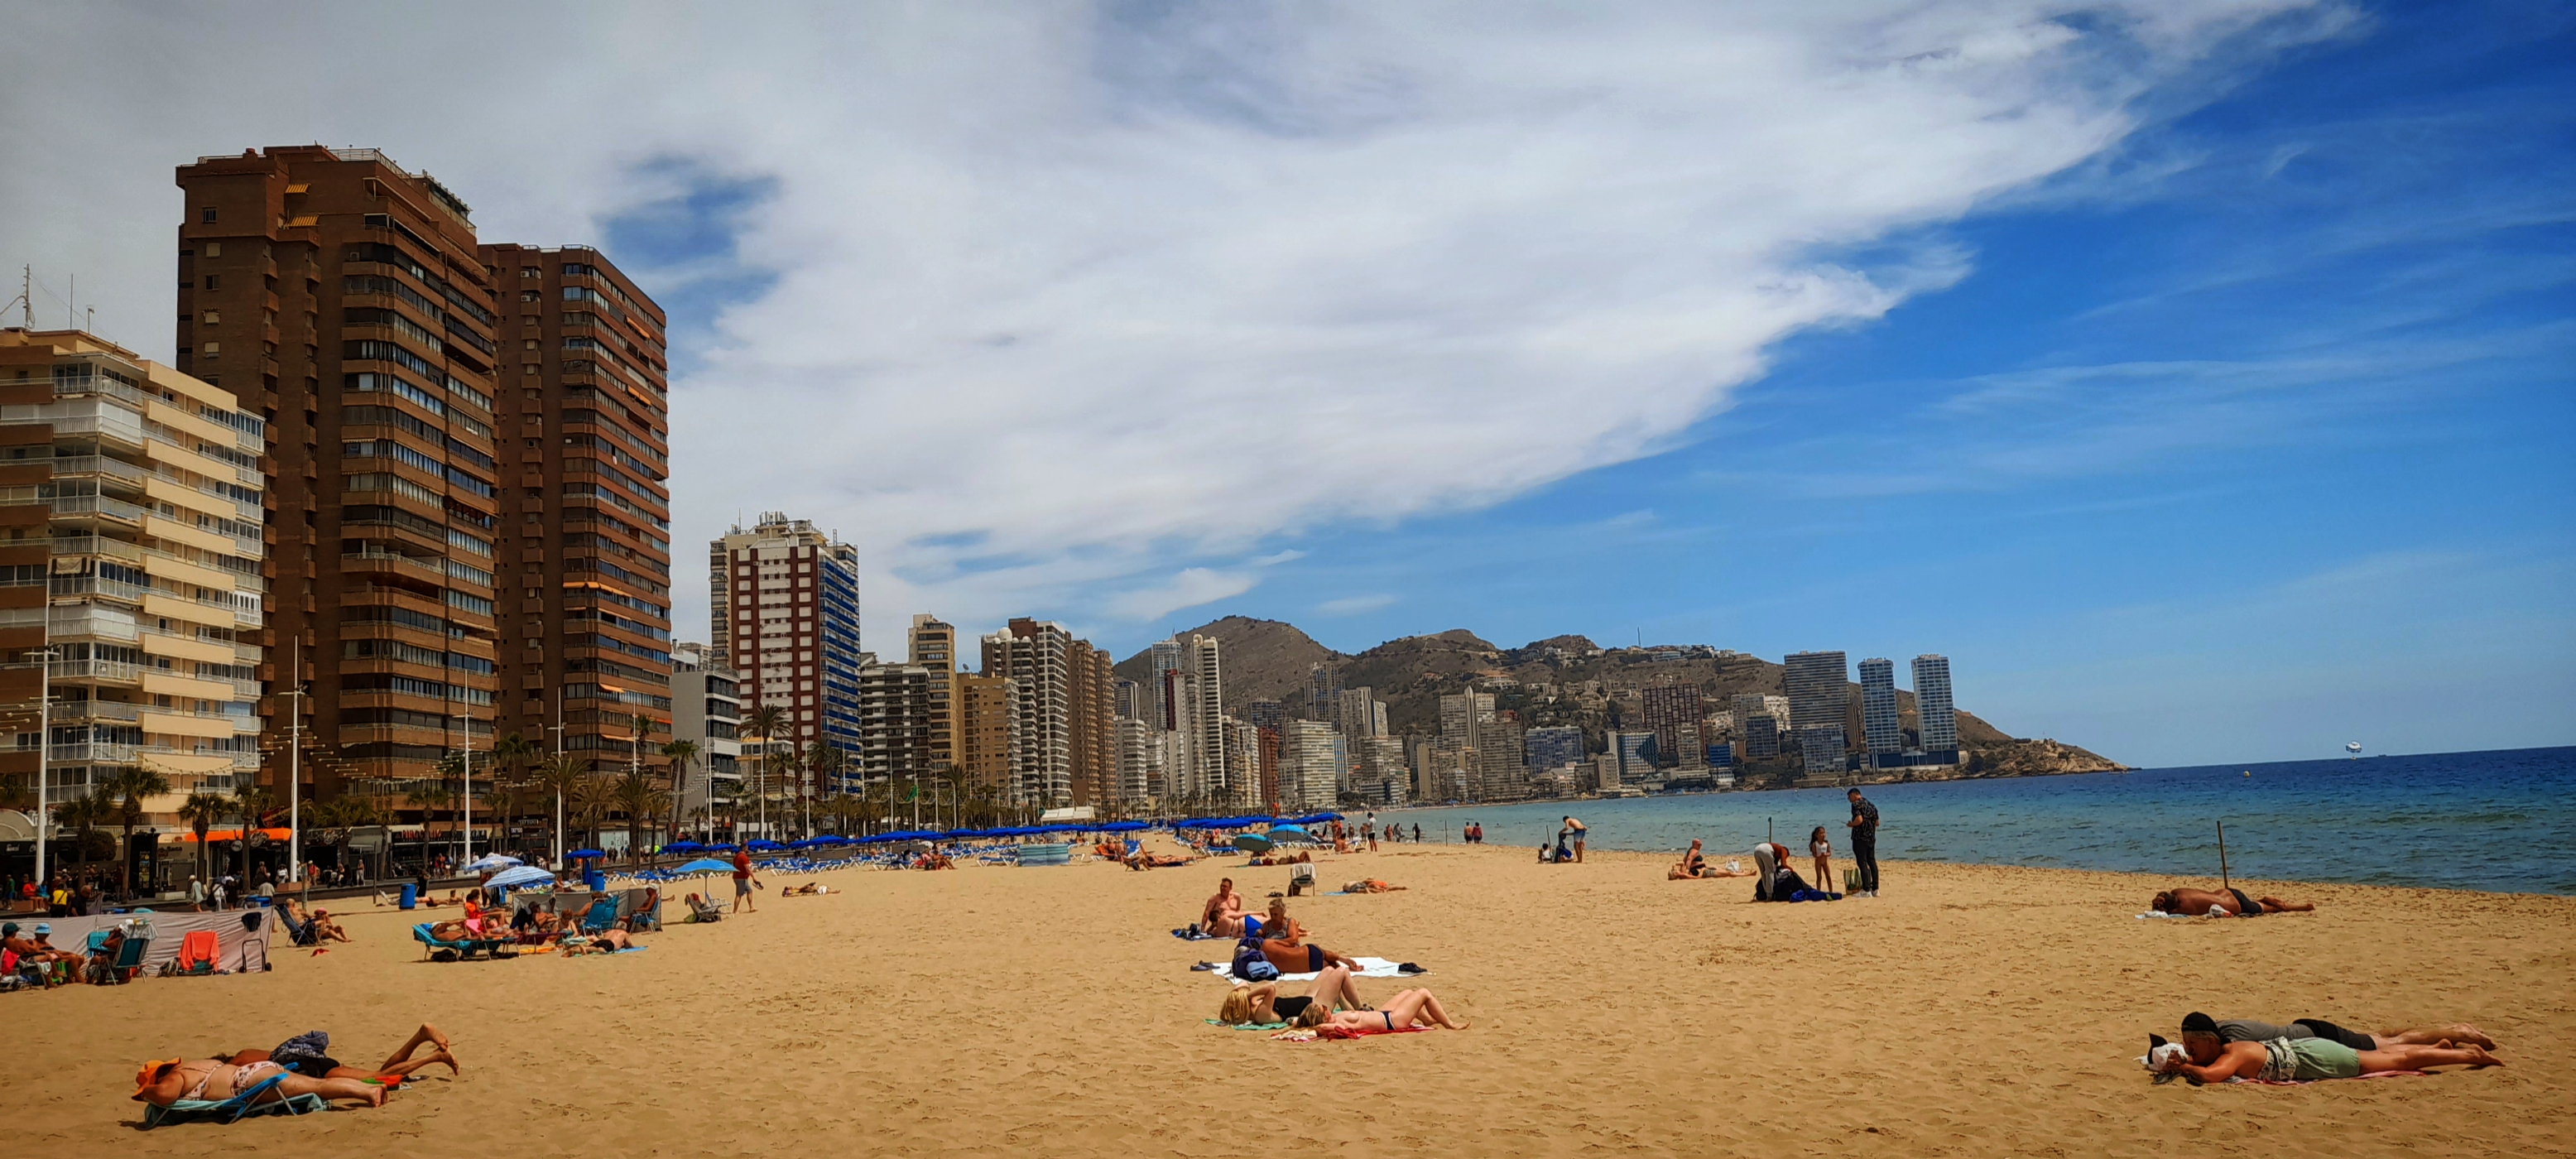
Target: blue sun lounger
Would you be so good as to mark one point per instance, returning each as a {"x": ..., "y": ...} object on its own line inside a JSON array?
[
  {"x": 464, "y": 948},
  {"x": 233, "y": 1109}
]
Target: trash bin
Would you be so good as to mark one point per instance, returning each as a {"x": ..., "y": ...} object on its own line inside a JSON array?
[
  {"x": 411, "y": 894},
  {"x": 596, "y": 880}
]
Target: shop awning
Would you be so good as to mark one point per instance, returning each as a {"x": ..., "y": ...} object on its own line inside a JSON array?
[{"x": 228, "y": 835}]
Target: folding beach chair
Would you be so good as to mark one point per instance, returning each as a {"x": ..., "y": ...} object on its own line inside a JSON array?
[
  {"x": 129, "y": 960},
  {"x": 648, "y": 913},
  {"x": 463, "y": 948},
  {"x": 601, "y": 914},
  {"x": 235, "y": 1108},
  {"x": 703, "y": 910}
]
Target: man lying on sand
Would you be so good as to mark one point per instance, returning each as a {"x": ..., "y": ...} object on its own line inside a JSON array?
[
  {"x": 1261, "y": 1002},
  {"x": 1372, "y": 885},
  {"x": 166, "y": 1081},
  {"x": 2306, "y": 1059},
  {"x": 306, "y": 1054},
  {"x": 2233, "y": 903},
  {"x": 2203, "y": 1035},
  {"x": 1305, "y": 858},
  {"x": 607, "y": 941}
]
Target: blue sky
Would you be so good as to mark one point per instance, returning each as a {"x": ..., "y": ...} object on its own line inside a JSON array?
[
  {"x": 2254, "y": 440},
  {"x": 2194, "y": 373}
]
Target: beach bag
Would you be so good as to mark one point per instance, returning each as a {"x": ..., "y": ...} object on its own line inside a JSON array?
[{"x": 1250, "y": 965}]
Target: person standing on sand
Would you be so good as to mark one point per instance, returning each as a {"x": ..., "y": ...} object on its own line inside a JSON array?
[
  {"x": 1578, "y": 829},
  {"x": 1864, "y": 827},
  {"x": 742, "y": 881},
  {"x": 1417, "y": 834}
]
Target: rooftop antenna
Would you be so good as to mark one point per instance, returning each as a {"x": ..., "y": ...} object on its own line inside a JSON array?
[
  {"x": 70, "y": 295},
  {"x": 27, "y": 296}
]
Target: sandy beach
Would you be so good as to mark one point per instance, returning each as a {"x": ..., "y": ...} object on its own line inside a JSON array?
[{"x": 992, "y": 1011}]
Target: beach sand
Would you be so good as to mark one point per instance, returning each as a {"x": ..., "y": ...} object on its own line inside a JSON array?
[{"x": 993, "y": 1011}]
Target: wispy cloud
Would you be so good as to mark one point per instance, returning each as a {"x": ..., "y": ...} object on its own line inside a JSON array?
[{"x": 1039, "y": 302}]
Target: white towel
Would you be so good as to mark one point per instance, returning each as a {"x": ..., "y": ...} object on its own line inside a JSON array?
[{"x": 1369, "y": 968}]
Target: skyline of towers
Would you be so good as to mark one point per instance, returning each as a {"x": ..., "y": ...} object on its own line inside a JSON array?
[{"x": 789, "y": 625}]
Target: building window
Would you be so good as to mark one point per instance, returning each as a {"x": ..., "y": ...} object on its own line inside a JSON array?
[
  {"x": 530, "y": 272},
  {"x": 214, "y": 249},
  {"x": 207, "y": 215},
  {"x": 214, "y": 316},
  {"x": 527, "y": 295},
  {"x": 214, "y": 281}
]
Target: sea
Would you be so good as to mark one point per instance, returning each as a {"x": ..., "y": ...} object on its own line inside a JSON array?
[{"x": 2502, "y": 821}]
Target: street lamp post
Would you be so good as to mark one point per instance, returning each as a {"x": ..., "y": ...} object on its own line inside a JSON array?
[{"x": 44, "y": 747}]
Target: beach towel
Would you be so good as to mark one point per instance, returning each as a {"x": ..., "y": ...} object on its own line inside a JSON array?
[
  {"x": 1369, "y": 968},
  {"x": 1337, "y": 1033},
  {"x": 1247, "y": 1025}
]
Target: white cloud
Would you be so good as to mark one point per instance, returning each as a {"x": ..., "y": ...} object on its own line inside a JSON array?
[
  {"x": 1124, "y": 290},
  {"x": 1354, "y": 605},
  {"x": 1188, "y": 588}
]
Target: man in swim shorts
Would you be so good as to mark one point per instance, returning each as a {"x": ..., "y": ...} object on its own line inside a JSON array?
[
  {"x": 2307, "y": 1059},
  {"x": 2203, "y": 1036}
]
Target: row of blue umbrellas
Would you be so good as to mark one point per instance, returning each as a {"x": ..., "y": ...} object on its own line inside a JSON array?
[{"x": 1249, "y": 822}]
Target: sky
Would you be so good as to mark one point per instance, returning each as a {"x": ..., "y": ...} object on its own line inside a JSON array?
[{"x": 2196, "y": 376}]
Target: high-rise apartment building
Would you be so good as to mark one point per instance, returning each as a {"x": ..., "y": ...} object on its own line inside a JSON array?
[
  {"x": 1269, "y": 714},
  {"x": 1762, "y": 738},
  {"x": 1323, "y": 688},
  {"x": 1131, "y": 701},
  {"x": 707, "y": 712},
  {"x": 1036, "y": 657},
  {"x": 1752, "y": 704},
  {"x": 1819, "y": 688},
  {"x": 895, "y": 723},
  {"x": 130, "y": 503},
  {"x": 1306, "y": 766},
  {"x": 1630, "y": 749},
  {"x": 1500, "y": 761},
  {"x": 1091, "y": 719},
  {"x": 1162, "y": 659},
  {"x": 789, "y": 624},
  {"x": 988, "y": 732},
  {"x": 1668, "y": 707},
  {"x": 1205, "y": 722},
  {"x": 932, "y": 645},
  {"x": 1139, "y": 763},
  {"x": 1938, "y": 718},
  {"x": 1553, "y": 747},
  {"x": 583, "y": 442},
  {"x": 1357, "y": 712},
  {"x": 1880, "y": 727},
  {"x": 1822, "y": 747},
  {"x": 1463, "y": 716},
  {"x": 345, "y": 300}
]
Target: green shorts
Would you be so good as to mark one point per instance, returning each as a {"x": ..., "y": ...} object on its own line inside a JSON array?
[{"x": 2325, "y": 1059}]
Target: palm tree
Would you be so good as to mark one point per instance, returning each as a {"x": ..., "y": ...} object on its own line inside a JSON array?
[
  {"x": 252, "y": 804},
  {"x": 679, "y": 755},
  {"x": 199, "y": 812},
  {"x": 130, "y": 786},
  {"x": 764, "y": 721},
  {"x": 791, "y": 763},
  {"x": 429, "y": 797},
  {"x": 83, "y": 814},
  {"x": 590, "y": 798},
  {"x": 562, "y": 773},
  {"x": 336, "y": 817},
  {"x": 511, "y": 757},
  {"x": 824, "y": 763},
  {"x": 639, "y": 798}
]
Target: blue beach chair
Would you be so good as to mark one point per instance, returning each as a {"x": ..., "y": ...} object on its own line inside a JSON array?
[
  {"x": 463, "y": 947},
  {"x": 233, "y": 1109}
]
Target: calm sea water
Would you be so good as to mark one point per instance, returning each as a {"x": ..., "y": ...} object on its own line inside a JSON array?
[{"x": 2503, "y": 821}]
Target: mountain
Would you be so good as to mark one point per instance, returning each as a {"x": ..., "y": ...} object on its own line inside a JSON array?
[{"x": 1270, "y": 660}]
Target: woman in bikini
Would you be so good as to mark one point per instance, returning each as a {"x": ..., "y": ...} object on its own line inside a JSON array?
[
  {"x": 2233, "y": 902},
  {"x": 1261, "y": 1002},
  {"x": 397, "y": 1066},
  {"x": 164, "y": 1082},
  {"x": 1407, "y": 1008}
]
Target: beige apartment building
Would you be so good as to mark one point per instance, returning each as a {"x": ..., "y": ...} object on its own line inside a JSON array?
[{"x": 130, "y": 498}]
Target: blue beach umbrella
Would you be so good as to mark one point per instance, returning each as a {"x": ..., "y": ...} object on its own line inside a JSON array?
[
  {"x": 521, "y": 875},
  {"x": 591, "y": 854},
  {"x": 705, "y": 865}
]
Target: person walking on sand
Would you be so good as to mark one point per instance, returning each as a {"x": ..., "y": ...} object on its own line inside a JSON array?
[
  {"x": 1579, "y": 832},
  {"x": 742, "y": 882},
  {"x": 1864, "y": 827}
]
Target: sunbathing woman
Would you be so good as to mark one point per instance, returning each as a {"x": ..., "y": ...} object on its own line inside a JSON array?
[
  {"x": 2233, "y": 903},
  {"x": 2304, "y": 1059},
  {"x": 1261, "y": 1002},
  {"x": 1372, "y": 885},
  {"x": 167, "y": 1081},
  {"x": 304, "y": 1054},
  {"x": 1407, "y": 1008}
]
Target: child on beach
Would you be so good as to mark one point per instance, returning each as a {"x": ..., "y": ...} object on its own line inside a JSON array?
[{"x": 1823, "y": 851}]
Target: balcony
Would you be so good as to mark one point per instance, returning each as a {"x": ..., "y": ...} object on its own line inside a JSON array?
[
  {"x": 387, "y": 563},
  {"x": 106, "y": 671},
  {"x": 83, "y": 585},
  {"x": 65, "y": 465},
  {"x": 101, "y": 506},
  {"x": 77, "y": 710}
]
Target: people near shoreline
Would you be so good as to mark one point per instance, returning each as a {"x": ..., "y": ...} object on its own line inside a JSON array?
[
  {"x": 1822, "y": 849},
  {"x": 308, "y": 1054},
  {"x": 2231, "y": 903},
  {"x": 1694, "y": 866},
  {"x": 2221, "y": 1031},
  {"x": 1579, "y": 831},
  {"x": 1417, "y": 834},
  {"x": 1864, "y": 832},
  {"x": 2208, "y": 1059},
  {"x": 163, "y": 1082},
  {"x": 1409, "y": 1008},
  {"x": 1368, "y": 830},
  {"x": 1260, "y": 1003}
]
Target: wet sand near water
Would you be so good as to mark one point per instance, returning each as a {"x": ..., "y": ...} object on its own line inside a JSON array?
[{"x": 999, "y": 1011}]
